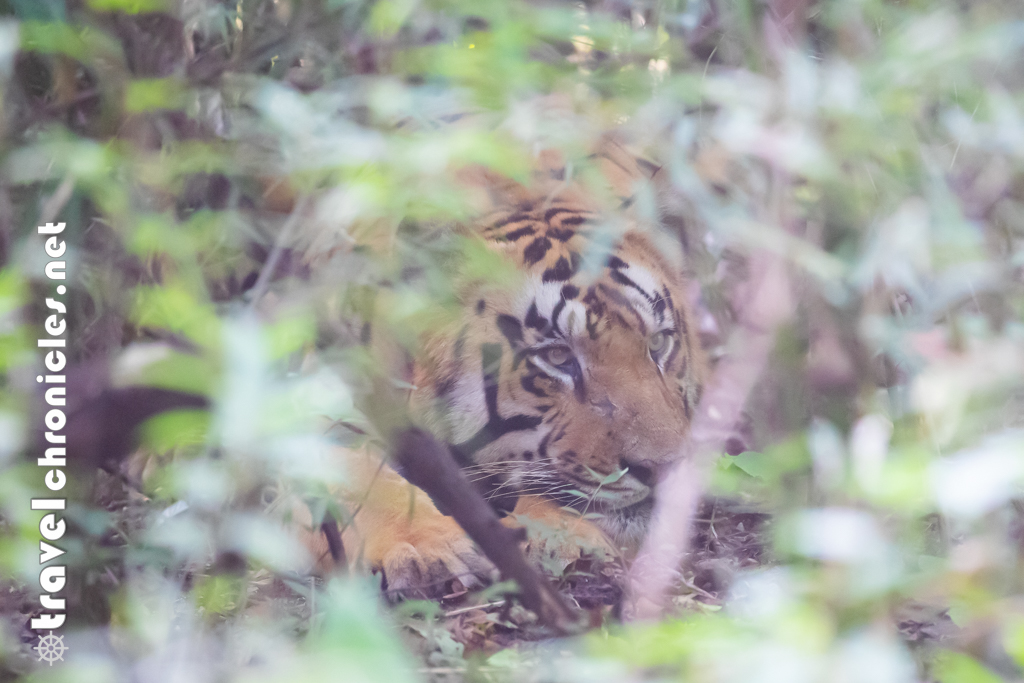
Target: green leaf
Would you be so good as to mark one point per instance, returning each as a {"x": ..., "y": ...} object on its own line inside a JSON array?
[
  {"x": 505, "y": 659},
  {"x": 153, "y": 93},
  {"x": 179, "y": 371},
  {"x": 1013, "y": 639},
  {"x": 219, "y": 594},
  {"x": 954, "y": 667},
  {"x": 388, "y": 16},
  {"x": 754, "y": 464},
  {"x": 176, "y": 428},
  {"x": 484, "y": 263},
  {"x": 290, "y": 334},
  {"x": 53, "y": 37},
  {"x": 611, "y": 478},
  {"x": 128, "y": 6},
  {"x": 171, "y": 307}
]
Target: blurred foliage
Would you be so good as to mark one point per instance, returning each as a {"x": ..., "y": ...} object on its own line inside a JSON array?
[{"x": 246, "y": 183}]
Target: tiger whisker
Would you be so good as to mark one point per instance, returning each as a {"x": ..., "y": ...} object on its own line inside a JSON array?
[
  {"x": 525, "y": 482},
  {"x": 524, "y": 471},
  {"x": 532, "y": 491},
  {"x": 518, "y": 485},
  {"x": 521, "y": 476},
  {"x": 506, "y": 464}
]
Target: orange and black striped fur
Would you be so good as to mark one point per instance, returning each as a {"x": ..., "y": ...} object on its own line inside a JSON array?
[{"x": 563, "y": 396}]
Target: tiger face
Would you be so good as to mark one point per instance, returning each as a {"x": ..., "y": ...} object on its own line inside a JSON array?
[{"x": 576, "y": 386}]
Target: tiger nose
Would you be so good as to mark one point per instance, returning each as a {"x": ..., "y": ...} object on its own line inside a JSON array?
[{"x": 646, "y": 473}]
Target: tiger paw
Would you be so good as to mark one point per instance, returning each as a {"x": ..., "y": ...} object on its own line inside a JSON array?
[
  {"x": 400, "y": 535},
  {"x": 556, "y": 538},
  {"x": 426, "y": 566}
]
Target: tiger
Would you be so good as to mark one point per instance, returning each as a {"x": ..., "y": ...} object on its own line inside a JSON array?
[{"x": 565, "y": 397}]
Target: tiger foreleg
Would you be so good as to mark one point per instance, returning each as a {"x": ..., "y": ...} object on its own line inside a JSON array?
[{"x": 392, "y": 528}]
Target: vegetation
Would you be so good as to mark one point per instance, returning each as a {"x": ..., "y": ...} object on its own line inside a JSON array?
[{"x": 245, "y": 183}]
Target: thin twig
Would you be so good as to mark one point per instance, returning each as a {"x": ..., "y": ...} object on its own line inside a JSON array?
[
  {"x": 283, "y": 237},
  {"x": 463, "y": 610},
  {"x": 55, "y": 204},
  {"x": 698, "y": 590},
  {"x": 960, "y": 140}
]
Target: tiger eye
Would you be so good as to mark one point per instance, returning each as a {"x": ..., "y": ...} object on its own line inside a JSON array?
[
  {"x": 657, "y": 342},
  {"x": 557, "y": 356}
]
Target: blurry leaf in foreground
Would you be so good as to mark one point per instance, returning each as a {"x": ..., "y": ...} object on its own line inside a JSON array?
[
  {"x": 977, "y": 480},
  {"x": 9, "y": 43},
  {"x": 354, "y": 641},
  {"x": 954, "y": 667},
  {"x": 1013, "y": 639},
  {"x": 837, "y": 535},
  {"x": 219, "y": 594},
  {"x": 176, "y": 428},
  {"x": 173, "y": 307},
  {"x": 152, "y": 93},
  {"x": 754, "y": 464},
  {"x": 241, "y": 409},
  {"x": 128, "y": 6},
  {"x": 869, "y": 445},
  {"x": 265, "y": 542},
  {"x": 159, "y": 365}
]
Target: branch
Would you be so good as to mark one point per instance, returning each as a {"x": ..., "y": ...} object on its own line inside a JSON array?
[
  {"x": 720, "y": 410},
  {"x": 329, "y": 527},
  {"x": 428, "y": 464}
]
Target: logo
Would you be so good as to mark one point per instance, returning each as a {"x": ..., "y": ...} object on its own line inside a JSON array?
[{"x": 51, "y": 648}]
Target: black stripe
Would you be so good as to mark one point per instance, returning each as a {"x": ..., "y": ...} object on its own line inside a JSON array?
[
  {"x": 560, "y": 234},
  {"x": 542, "y": 449},
  {"x": 618, "y": 277},
  {"x": 519, "y": 232},
  {"x": 618, "y": 298},
  {"x": 678, "y": 316},
  {"x": 650, "y": 167},
  {"x": 535, "y": 319},
  {"x": 536, "y": 250},
  {"x": 512, "y": 330},
  {"x": 514, "y": 218},
  {"x": 496, "y": 426},
  {"x": 578, "y": 219},
  {"x": 659, "y": 307},
  {"x": 557, "y": 311},
  {"x": 551, "y": 213},
  {"x": 560, "y": 272}
]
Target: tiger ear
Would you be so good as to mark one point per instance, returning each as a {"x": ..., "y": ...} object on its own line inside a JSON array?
[
  {"x": 487, "y": 189},
  {"x": 623, "y": 168},
  {"x": 490, "y": 190}
]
